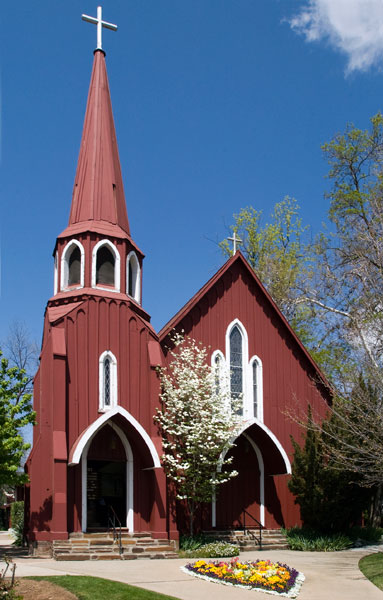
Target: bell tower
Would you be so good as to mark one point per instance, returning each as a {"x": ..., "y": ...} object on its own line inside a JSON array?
[
  {"x": 96, "y": 252},
  {"x": 96, "y": 448}
]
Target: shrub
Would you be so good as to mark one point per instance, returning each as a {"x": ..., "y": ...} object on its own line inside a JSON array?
[
  {"x": 366, "y": 534},
  {"x": 213, "y": 550},
  {"x": 17, "y": 520},
  {"x": 188, "y": 542},
  {"x": 312, "y": 541}
]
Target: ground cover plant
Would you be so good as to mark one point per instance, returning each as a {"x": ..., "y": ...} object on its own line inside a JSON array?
[
  {"x": 212, "y": 550},
  {"x": 95, "y": 588},
  {"x": 273, "y": 577},
  {"x": 372, "y": 568},
  {"x": 202, "y": 546}
]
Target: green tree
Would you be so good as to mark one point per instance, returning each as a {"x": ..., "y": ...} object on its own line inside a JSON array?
[
  {"x": 347, "y": 289},
  {"x": 276, "y": 251},
  {"x": 330, "y": 499},
  {"x": 197, "y": 424},
  {"x": 284, "y": 257},
  {"x": 15, "y": 412},
  {"x": 306, "y": 477}
]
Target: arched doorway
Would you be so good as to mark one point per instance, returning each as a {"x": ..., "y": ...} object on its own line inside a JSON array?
[
  {"x": 245, "y": 492},
  {"x": 107, "y": 478}
]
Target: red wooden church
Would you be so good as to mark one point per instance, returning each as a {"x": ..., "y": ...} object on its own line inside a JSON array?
[{"x": 96, "y": 391}]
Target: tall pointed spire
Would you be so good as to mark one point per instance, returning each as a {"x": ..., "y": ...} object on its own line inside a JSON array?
[{"x": 98, "y": 200}]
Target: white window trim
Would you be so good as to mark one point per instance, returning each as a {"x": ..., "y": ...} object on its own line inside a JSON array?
[
  {"x": 113, "y": 381},
  {"x": 55, "y": 277},
  {"x": 65, "y": 266},
  {"x": 259, "y": 414},
  {"x": 117, "y": 261},
  {"x": 129, "y": 479},
  {"x": 247, "y": 372},
  {"x": 221, "y": 355},
  {"x": 245, "y": 359},
  {"x": 136, "y": 275}
]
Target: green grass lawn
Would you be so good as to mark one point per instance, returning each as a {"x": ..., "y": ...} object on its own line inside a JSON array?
[
  {"x": 372, "y": 567},
  {"x": 95, "y": 588}
]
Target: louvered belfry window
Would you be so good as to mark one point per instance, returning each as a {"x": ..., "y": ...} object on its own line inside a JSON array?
[
  {"x": 74, "y": 267},
  {"x": 236, "y": 364},
  {"x": 105, "y": 266}
]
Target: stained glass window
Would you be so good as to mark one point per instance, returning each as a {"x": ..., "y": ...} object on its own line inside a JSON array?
[
  {"x": 107, "y": 382},
  {"x": 255, "y": 388},
  {"x": 236, "y": 365},
  {"x": 217, "y": 373}
]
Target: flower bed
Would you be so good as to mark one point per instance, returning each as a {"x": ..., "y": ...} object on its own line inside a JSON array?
[{"x": 260, "y": 575}]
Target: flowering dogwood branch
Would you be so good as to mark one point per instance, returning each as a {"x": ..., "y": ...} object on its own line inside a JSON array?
[{"x": 196, "y": 422}]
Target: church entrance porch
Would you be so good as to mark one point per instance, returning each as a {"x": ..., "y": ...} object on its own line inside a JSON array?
[
  {"x": 107, "y": 466},
  {"x": 240, "y": 501},
  {"x": 106, "y": 492}
]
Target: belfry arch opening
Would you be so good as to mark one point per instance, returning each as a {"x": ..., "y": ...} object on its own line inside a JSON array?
[
  {"x": 72, "y": 266},
  {"x": 105, "y": 264},
  {"x": 133, "y": 282}
]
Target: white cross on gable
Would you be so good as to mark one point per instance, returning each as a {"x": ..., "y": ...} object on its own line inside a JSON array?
[
  {"x": 236, "y": 240},
  {"x": 100, "y": 24}
]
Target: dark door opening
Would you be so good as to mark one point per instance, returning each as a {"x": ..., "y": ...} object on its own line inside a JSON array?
[{"x": 106, "y": 487}]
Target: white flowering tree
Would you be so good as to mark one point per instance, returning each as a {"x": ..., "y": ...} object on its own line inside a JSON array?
[{"x": 197, "y": 424}]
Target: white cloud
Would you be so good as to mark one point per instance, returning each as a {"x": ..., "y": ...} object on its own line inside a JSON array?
[{"x": 354, "y": 27}]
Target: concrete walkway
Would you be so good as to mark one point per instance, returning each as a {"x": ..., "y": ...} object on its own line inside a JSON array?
[{"x": 329, "y": 576}]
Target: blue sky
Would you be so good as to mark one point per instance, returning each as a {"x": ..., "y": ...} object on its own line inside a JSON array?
[{"x": 218, "y": 104}]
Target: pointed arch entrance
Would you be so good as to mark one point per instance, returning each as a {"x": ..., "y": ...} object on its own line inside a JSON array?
[
  {"x": 80, "y": 449},
  {"x": 257, "y": 452},
  {"x": 107, "y": 465},
  {"x": 245, "y": 492}
]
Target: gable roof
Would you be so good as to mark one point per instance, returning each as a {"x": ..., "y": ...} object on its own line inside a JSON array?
[{"x": 239, "y": 258}]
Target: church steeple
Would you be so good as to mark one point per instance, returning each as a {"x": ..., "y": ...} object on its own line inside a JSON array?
[
  {"x": 96, "y": 252},
  {"x": 98, "y": 193}
]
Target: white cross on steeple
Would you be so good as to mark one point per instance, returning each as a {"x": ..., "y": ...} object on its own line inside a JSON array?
[
  {"x": 100, "y": 24},
  {"x": 235, "y": 241}
]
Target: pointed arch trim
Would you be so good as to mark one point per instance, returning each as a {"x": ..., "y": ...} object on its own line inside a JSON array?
[
  {"x": 64, "y": 282},
  {"x": 79, "y": 445},
  {"x": 277, "y": 444},
  {"x": 117, "y": 270}
]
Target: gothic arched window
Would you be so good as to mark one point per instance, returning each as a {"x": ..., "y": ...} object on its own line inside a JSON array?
[
  {"x": 72, "y": 266},
  {"x": 107, "y": 381},
  {"x": 218, "y": 364},
  {"x": 236, "y": 365},
  {"x": 133, "y": 281},
  {"x": 256, "y": 387},
  {"x": 106, "y": 266}
]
